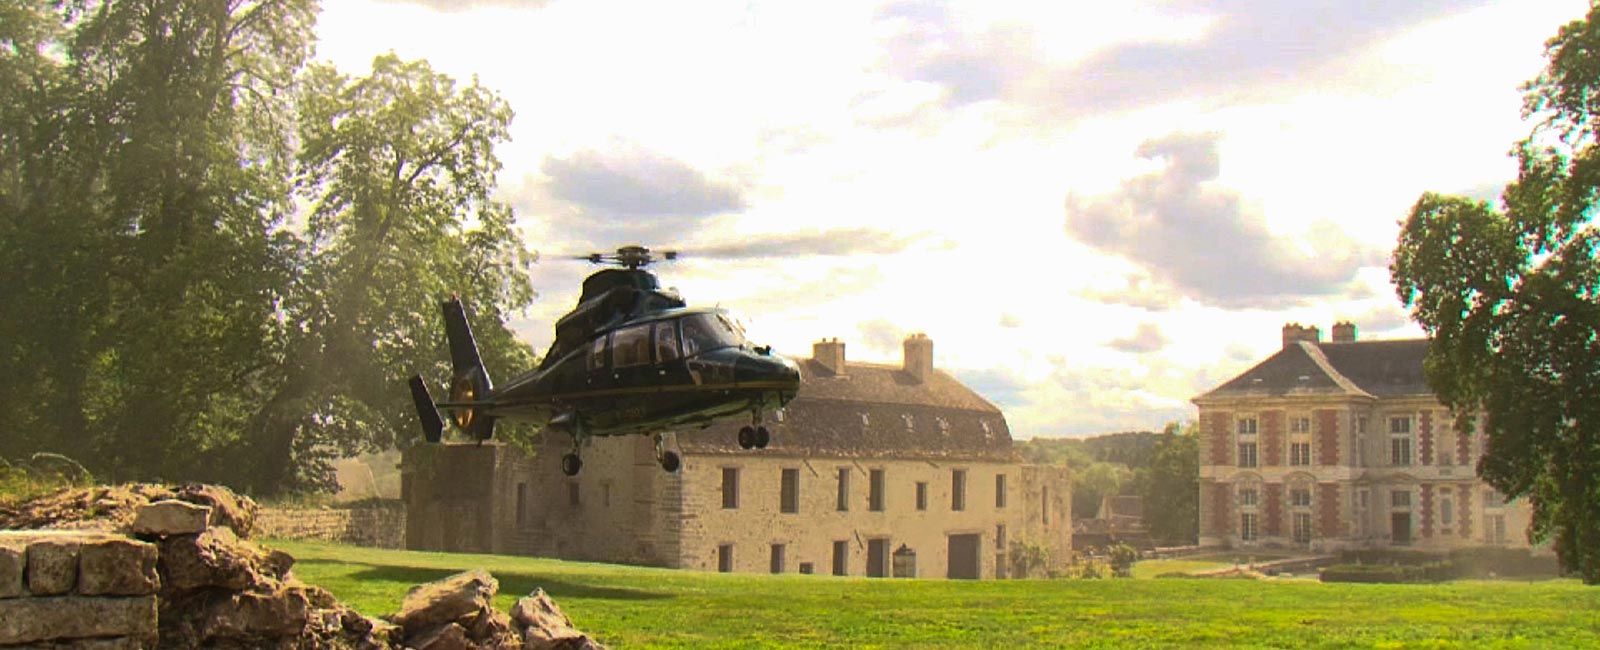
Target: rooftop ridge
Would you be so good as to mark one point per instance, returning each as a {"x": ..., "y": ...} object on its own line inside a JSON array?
[{"x": 1314, "y": 351}]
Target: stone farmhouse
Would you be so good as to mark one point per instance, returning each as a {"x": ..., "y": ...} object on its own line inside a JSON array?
[
  {"x": 1341, "y": 444},
  {"x": 873, "y": 470}
]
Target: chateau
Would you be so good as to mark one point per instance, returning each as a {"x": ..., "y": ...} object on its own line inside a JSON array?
[
  {"x": 873, "y": 470},
  {"x": 1341, "y": 444}
]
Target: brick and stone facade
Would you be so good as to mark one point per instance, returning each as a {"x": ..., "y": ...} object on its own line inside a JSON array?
[
  {"x": 872, "y": 467},
  {"x": 1383, "y": 462}
]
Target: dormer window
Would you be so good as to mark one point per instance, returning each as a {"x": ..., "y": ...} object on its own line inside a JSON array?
[
  {"x": 944, "y": 425},
  {"x": 866, "y": 419},
  {"x": 986, "y": 430},
  {"x": 911, "y": 423}
]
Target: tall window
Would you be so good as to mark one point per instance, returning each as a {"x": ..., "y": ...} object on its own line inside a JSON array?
[
  {"x": 1000, "y": 536},
  {"x": 1247, "y": 442},
  {"x": 1300, "y": 516},
  {"x": 922, "y": 495},
  {"x": 1447, "y": 510},
  {"x": 958, "y": 489},
  {"x": 777, "y": 558},
  {"x": 999, "y": 490},
  {"x": 522, "y": 504},
  {"x": 730, "y": 488},
  {"x": 1399, "y": 441},
  {"x": 725, "y": 558},
  {"x": 844, "y": 489},
  {"x": 1248, "y": 498},
  {"x": 875, "y": 490},
  {"x": 1494, "y": 529},
  {"x": 789, "y": 491},
  {"x": 841, "y": 558}
]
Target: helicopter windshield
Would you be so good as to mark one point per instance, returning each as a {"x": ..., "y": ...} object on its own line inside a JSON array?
[{"x": 703, "y": 332}]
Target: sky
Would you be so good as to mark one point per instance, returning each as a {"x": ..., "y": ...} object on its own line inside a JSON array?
[{"x": 1097, "y": 211}]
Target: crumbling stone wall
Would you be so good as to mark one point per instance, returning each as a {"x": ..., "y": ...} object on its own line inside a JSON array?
[
  {"x": 77, "y": 590},
  {"x": 175, "y": 573},
  {"x": 379, "y": 525}
]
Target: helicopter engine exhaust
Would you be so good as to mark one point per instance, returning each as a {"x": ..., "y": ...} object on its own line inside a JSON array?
[{"x": 469, "y": 380}]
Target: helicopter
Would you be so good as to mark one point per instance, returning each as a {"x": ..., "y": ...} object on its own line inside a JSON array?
[{"x": 629, "y": 359}]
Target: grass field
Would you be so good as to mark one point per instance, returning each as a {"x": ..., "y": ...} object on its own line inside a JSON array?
[{"x": 629, "y": 607}]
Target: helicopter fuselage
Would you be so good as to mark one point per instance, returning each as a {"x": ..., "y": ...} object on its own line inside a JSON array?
[{"x": 672, "y": 369}]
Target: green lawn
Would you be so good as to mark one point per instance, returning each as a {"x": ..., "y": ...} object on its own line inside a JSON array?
[{"x": 628, "y": 607}]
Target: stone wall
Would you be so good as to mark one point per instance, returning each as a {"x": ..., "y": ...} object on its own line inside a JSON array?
[
  {"x": 380, "y": 524},
  {"x": 72, "y": 589}
]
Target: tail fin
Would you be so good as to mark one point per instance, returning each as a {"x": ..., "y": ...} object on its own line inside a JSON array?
[
  {"x": 432, "y": 424},
  {"x": 469, "y": 381}
]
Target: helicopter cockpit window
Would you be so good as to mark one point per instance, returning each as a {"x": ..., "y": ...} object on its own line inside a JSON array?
[
  {"x": 666, "y": 341},
  {"x": 703, "y": 332},
  {"x": 630, "y": 346},
  {"x": 597, "y": 354}
]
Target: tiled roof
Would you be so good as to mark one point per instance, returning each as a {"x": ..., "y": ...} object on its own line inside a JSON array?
[
  {"x": 874, "y": 411},
  {"x": 1360, "y": 368}
]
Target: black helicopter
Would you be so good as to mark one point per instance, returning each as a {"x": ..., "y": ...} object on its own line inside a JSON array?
[{"x": 631, "y": 358}]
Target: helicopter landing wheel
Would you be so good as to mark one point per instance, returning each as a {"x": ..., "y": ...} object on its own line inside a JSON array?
[
  {"x": 671, "y": 461},
  {"x": 762, "y": 437},
  {"x": 747, "y": 437},
  {"x": 571, "y": 464}
]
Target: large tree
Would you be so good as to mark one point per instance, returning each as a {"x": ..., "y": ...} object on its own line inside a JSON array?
[
  {"x": 1510, "y": 298},
  {"x": 220, "y": 260},
  {"x": 1171, "y": 502}
]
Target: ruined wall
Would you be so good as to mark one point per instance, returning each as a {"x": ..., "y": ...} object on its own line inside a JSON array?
[
  {"x": 380, "y": 525},
  {"x": 77, "y": 590}
]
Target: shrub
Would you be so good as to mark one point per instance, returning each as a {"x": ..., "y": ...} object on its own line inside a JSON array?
[{"x": 1390, "y": 573}]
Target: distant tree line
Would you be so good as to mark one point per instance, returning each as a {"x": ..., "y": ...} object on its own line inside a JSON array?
[
  {"x": 218, "y": 259},
  {"x": 1163, "y": 469}
]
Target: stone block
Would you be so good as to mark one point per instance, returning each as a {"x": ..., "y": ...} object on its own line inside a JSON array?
[
  {"x": 171, "y": 517},
  {"x": 13, "y": 558},
  {"x": 117, "y": 567},
  {"x": 30, "y": 620},
  {"x": 458, "y": 596},
  {"x": 449, "y": 636},
  {"x": 53, "y": 566}
]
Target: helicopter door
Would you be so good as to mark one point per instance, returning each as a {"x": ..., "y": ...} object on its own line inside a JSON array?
[{"x": 671, "y": 369}]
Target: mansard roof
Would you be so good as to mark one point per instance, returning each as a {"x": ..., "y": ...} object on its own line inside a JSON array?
[
  {"x": 1371, "y": 369},
  {"x": 874, "y": 411}
]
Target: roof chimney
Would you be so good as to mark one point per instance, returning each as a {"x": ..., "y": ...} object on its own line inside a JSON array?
[
  {"x": 1294, "y": 333},
  {"x": 829, "y": 353},
  {"x": 919, "y": 356},
  {"x": 1344, "y": 332}
]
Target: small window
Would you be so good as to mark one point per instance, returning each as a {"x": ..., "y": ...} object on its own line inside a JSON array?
[
  {"x": 922, "y": 495},
  {"x": 844, "y": 489},
  {"x": 958, "y": 489},
  {"x": 725, "y": 558},
  {"x": 866, "y": 420},
  {"x": 1247, "y": 426},
  {"x": 789, "y": 495},
  {"x": 730, "y": 488},
  {"x": 1300, "y": 498},
  {"x": 630, "y": 346},
  {"x": 999, "y": 490},
  {"x": 1247, "y": 497},
  {"x": 1361, "y": 424},
  {"x": 666, "y": 341},
  {"x": 875, "y": 490},
  {"x": 1299, "y": 453},
  {"x": 910, "y": 421},
  {"x": 777, "y": 558},
  {"x": 597, "y": 354},
  {"x": 841, "y": 558},
  {"x": 1400, "y": 499},
  {"x": 1400, "y": 425},
  {"x": 1300, "y": 425},
  {"x": 1000, "y": 536},
  {"x": 807, "y": 568}
]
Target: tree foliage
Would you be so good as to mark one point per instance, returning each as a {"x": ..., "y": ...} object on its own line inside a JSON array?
[
  {"x": 218, "y": 259},
  {"x": 1510, "y": 298},
  {"x": 1171, "y": 493}
]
